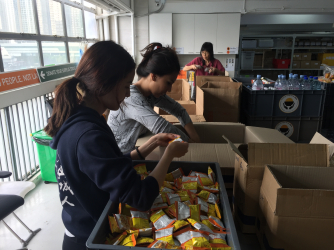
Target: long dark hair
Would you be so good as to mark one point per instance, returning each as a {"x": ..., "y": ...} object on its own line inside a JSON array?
[
  {"x": 207, "y": 46},
  {"x": 100, "y": 70},
  {"x": 158, "y": 60}
]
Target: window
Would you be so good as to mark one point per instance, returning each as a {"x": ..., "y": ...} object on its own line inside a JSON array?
[
  {"x": 54, "y": 53},
  {"x": 17, "y": 16},
  {"x": 50, "y": 17},
  {"x": 89, "y": 5},
  {"x": 75, "y": 53},
  {"x": 74, "y": 23},
  {"x": 19, "y": 54},
  {"x": 90, "y": 25}
]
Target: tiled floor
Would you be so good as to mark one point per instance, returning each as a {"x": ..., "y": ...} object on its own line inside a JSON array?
[{"x": 42, "y": 209}]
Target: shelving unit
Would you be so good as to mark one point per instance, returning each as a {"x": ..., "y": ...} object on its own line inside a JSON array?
[{"x": 278, "y": 49}]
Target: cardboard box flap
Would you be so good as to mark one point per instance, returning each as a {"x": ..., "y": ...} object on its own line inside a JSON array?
[
  {"x": 319, "y": 139},
  {"x": 234, "y": 148},
  {"x": 300, "y": 191},
  {"x": 185, "y": 90},
  {"x": 199, "y": 101},
  {"x": 221, "y": 85},
  {"x": 200, "y": 80},
  {"x": 261, "y": 154},
  {"x": 256, "y": 134},
  {"x": 176, "y": 92}
]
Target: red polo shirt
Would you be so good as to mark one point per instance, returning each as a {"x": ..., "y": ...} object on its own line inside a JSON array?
[{"x": 200, "y": 72}]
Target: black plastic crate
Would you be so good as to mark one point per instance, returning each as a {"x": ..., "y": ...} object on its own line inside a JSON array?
[
  {"x": 298, "y": 129},
  {"x": 329, "y": 102},
  {"x": 101, "y": 230},
  {"x": 283, "y": 103}
]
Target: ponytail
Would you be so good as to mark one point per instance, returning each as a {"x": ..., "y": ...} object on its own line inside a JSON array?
[
  {"x": 158, "y": 60},
  {"x": 66, "y": 100}
]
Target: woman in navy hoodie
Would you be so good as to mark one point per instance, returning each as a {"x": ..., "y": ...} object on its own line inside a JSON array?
[{"x": 90, "y": 168}]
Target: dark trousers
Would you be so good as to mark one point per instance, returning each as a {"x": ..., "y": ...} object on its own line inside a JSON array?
[{"x": 72, "y": 243}]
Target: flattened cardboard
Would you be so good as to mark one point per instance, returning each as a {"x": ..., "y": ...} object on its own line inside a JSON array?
[
  {"x": 221, "y": 101},
  {"x": 319, "y": 139},
  {"x": 297, "y": 191},
  {"x": 201, "y": 80},
  {"x": 296, "y": 232},
  {"x": 194, "y": 118}
]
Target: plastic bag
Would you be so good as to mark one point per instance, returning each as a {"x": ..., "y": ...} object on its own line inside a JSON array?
[{"x": 161, "y": 220}]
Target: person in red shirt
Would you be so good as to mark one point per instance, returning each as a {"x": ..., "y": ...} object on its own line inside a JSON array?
[{"x": 206, "y": 64}]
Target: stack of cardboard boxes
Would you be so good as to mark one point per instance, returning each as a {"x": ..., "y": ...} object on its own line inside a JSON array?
[{"x": 303, "y": 61}]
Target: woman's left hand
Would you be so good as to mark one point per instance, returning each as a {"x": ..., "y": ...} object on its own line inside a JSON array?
[{"x": 162, "y": 139}]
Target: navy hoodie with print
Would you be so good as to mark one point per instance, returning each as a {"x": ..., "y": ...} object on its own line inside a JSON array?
[{"x": 91, "y": 169}]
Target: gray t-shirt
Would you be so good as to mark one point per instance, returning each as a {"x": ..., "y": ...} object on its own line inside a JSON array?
[{"x": 137, "y": 116}]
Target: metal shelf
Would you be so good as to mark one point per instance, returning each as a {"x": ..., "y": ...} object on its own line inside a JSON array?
[
  {"x": 269, "y": 48},
  {"x": 314, "y": 47},
  {"x": 306, "y": 69},
  {"x": 265, "y": 69}
]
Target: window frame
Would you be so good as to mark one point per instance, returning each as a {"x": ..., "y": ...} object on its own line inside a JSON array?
[{"x": 53, "y": 38}]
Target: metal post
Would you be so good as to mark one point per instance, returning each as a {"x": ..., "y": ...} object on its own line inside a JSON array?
[
  {"x": 133, "y": 36},
  {"x": 1, "y": 62},
  {"x": 65, "y": 32},
  {"x": 116, "y": 29},
  {"x": 39, "y": 42}
]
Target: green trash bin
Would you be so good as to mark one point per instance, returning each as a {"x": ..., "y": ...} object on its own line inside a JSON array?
[{"x": 46, "y": 156}]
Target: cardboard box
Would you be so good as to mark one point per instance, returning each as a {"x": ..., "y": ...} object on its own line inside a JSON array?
[
  {"x": 326, "y": 58},
  {"x": 319, "y": 139},
  {"x": 181, "y": 93},
  {"x": 297, "y": 56},
  {"x": 305, "y": 64},
  {"x": 296, "y": 203},
  {"x": 250, "y": 161},
  {"x": 306, "y": 56},
  {"x": 201, "y": 80},
  {"x": 221, "y": 101},
  {"x": 296, "y": 64},
  {"x": 214, "y": 147},
  {"x": 315, "y": 64}
]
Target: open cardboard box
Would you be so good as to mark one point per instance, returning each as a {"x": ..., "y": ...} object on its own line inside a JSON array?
[
  {"x": 201, "y": 80},
  {"x": 221, "y": 101},
  {"x": 297, "y": 207},
  {"x": 181, "y": 93},
  {"x": 250, "y": 161},
  {"x": 214, "y": 147}
]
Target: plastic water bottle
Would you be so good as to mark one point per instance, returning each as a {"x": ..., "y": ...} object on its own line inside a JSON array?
[
  {"x": 258, "y": 84},
  {"x": 284, "y": 83},
  {"x": 316, "y": 83},
  {"x": 278, "y": 83},
  {"x": 295, "y": 83},
  {"x": 310, "y": 79},
  {"x": 306, "y": 85},
  {"x": 301, "y": 78}
]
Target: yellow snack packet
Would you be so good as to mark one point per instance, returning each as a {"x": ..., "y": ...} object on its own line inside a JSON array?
[
  {"x": 159, "y": 244},
  {"x": 205, "y": 221},
  {"x": 199, "y": 240},
  {"x": 144, "y": 240},
  {"x": 217, "y": 223},
  {"x": 172, "y": 210},
  {"x": 116, "y": 240},
  {"x": 184, "y": 237},
  {"x": 182, "y": 210},
  {"x": 180, "y": 224},
  {"x": 165, "y": 234},
  {"x": 212, "y": 210},
  {"x": 162, "y": 198},
  {"x": 123, "y": 222},
  {"x": 200, "y": 226},
  {"x": 113, "y": 225},
  {"x": 218, "y": 211},
  {"x": 190, "y": 185},
  {"x": 195, "y": 211},
  {"x": 141, "y": 168},
  {"x": 204, "y": 205},
  {"x": 139, "y": 220},
  {"x": 159, "y": 206},
  {"x": 179, "y": 196},
  {"x": 178, "y": 183},
  {"x": 211, "y": 175},
  {"x": 144, "y": 232},
  {"x": 174, "y": 175},
  {"x": 217, "y": 237},
  {"x": 208, "y": 197},
  {"x": 220, "y": 247},
  {"x": 124, "y": 209},
  {"x": 204, "y": 181},
  {"x": 160, "y": 220},
  {"x": 166, "y": 190},
  {"x": 168, "y": 185},
  {"x": 129, "y": 241}
]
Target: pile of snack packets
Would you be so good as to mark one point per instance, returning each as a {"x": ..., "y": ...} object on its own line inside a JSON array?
[{"x": 185, "y": 215}]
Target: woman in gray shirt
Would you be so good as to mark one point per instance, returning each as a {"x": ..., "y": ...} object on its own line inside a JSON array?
[{"x": 157, "y": 72}]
